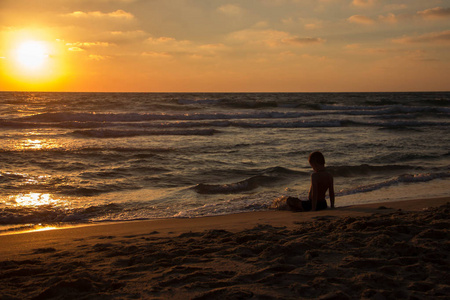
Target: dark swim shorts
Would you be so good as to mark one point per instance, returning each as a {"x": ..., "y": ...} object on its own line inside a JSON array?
[{"x": 296, "y": 204}]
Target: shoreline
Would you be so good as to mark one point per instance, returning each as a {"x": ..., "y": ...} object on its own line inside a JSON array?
[
  {"x": 373, "y": 251},
  {"x": 231, "y": 222}
]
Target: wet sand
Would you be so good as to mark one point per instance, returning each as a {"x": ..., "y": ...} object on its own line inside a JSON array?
[{"x": 395, "y": 250}]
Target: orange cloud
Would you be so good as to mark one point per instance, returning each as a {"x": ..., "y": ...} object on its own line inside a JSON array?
[
  {"x": 97, "y": 57},
  {"x": 75, "y": 49},
  {"x": 390, "y": 18},
  {"x": 168, "y": 42},
  {"x": 271, "y": 38},
  {"x": 88, "y": 44},
  {"x": 313, "y": 26},
  {"x": 435, "y": 13},
  {"x": 168, "y": 47},
  {"x": 391, "y": 7},
  {"x": 156, "y": 54},
  {"x": 433, "y": 37},
  {"x": 303, "y": 41},
  {"x": 230, "y": 9},
  {"x": 82, "y": 46},
  {"x": 363, "y": 3},
  {"x": 118, "y": 14},
  {"x": 358, "y": 19}
]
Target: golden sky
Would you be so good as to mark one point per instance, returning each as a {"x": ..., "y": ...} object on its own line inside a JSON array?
[{"x": 225, "y": 46}]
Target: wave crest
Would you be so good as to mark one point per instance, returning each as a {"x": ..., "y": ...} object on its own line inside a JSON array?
[
  {"x": 108, "y": 133},
  {"x": 406, "y": 178},
  {"x": 237, "y": 187}
]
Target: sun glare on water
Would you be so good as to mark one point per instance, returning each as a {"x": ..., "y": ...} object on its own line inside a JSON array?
[{"x": 34, "y": 199}]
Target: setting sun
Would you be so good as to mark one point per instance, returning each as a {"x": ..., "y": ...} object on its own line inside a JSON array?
[
  {"x": 34, "y": 59},
  {"x": 32, "y": 54}
]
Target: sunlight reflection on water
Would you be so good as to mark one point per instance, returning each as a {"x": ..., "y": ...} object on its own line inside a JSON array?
[
  {"x": 36, "y": 144},
  {"x": 35, "y": 199},
  {"x": 33, "y": 144},
  {"x": 28, "y": 228},
  {"x": 33, "y": 140}
]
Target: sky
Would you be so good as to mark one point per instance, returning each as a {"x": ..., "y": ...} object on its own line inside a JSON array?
[{"x": 225, "y": 46}]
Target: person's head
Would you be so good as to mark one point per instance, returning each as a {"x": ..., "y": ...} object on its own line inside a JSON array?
[{"x": 316, "y": 159}]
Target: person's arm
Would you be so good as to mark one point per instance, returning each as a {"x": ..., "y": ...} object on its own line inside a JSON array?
[
  {"x": 314, "y": 191},
  {"x": 331, "y": 192}
]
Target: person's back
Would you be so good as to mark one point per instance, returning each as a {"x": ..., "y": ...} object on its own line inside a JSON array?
[{"x": 321, "y": 182}]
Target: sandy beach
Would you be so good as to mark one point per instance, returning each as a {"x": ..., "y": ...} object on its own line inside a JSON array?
[{"x": 394, "y": 250}]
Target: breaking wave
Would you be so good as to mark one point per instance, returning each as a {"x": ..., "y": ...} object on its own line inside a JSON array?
[{"x": 266, "y": 177}]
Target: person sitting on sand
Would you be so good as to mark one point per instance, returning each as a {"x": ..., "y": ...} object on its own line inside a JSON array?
[{"x": 321, "y": 182}]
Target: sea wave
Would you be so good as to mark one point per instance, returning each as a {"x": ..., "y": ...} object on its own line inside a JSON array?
[
  {"x": 199, "y": 101},
  {"x": 237, "y": 187},
  {"x": 52, "y": 214},
  {"x": 253, "y": 119},
  {"x": 366, "y": 169},
  {"x": 139, "y": 117},
  {"x": 281, "y": 171},
  {"x": 100, "y": 129},
  {"x": 384, "y": 109},
  {"x": 99, "y": 183},
  {"x": 405, "y": 178},
  {"x": 108, "y": 133},
  {"x": 60, "y": 117},
  {"x": 137, "y": 151},
  {"x": 266, "y": 177}
]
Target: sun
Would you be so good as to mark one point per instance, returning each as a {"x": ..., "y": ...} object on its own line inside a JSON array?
[
  {"x": 33, "y": 59},
  {"x": 32, "y": 55}
]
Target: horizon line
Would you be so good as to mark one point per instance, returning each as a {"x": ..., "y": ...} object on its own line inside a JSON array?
[{"x": 229, "y": 92}]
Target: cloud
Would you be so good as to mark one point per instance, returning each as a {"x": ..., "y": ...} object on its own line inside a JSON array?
[
  {"x": 120, "y": 1},
  {"x": 363, "y": 3},
  {"x": 88, "y": 44},
  {"x": 360, "y": 50},
  {"x": 97, "y": 57},
  {"x": 389, "y": 18},
  {"x": 82, "y": 46},
  {"x": 433, "y": 37},
  {"x": 389, "y": 53},
  {"x": 314, "y": 57},
  {"x": 392, "y": 7},
  {"x": 358, "y": 19},
  {"x": 76, "y": 49},
  {"x": 315, "y": 25},
  {"x": 212, "y": 47},
  {"x": 118, "y": 14},
  {"x": 125, "y": 37},
  {"x": 167, "y": 42},
  {"x": 230, "y": 9},
  {"x": 168, "y": 47},
  {"x": 303, "y": 41},
  {"x": 155, "y": 54},
  {"x": 270, "y": 38},
  {"x": 431, "y": 14},
  {"x": 435, "y": 13},
  {"x": 134, "y": 33},
  {"x": 352, "y": 46}
]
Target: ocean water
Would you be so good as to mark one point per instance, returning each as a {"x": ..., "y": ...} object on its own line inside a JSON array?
[{"x": 75, "y": 158}]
